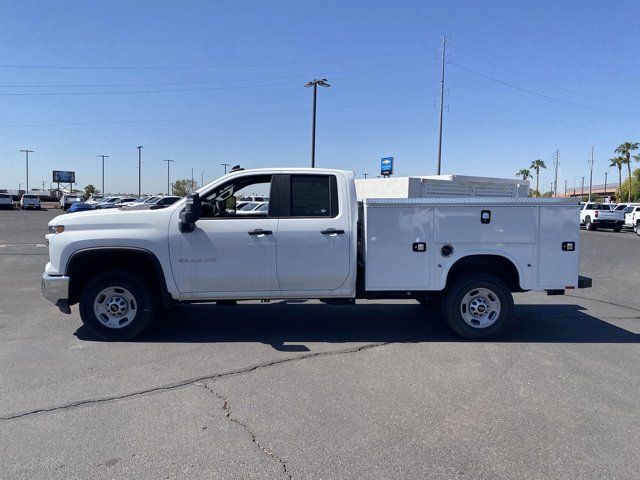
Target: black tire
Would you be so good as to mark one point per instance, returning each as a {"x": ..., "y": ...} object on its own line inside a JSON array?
[
  {"x": 452, "y": 306},
  {"x": 637, "y": 229},
  {"x": 617, "y": 229},
  {"x": 143, "y": 301},
  {"x": 589, "y": 225}
]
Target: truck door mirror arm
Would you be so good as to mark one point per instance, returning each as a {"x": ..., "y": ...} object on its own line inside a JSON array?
[{"x": 191, "y": 213}]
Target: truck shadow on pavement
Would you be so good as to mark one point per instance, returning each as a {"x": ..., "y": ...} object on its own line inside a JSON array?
[{"x": 287, "y": 327}]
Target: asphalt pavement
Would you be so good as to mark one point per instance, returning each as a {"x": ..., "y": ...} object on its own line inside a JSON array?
[{"x": 305, "y": 390}]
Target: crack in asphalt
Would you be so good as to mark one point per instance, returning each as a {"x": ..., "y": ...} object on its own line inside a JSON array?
[
  {"x": 191, "y": 381},
  {"x": 229, "y": 414},
  {"x": 603, "y": 301}
]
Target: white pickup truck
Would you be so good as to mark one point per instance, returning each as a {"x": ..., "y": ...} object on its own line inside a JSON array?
[
  {"x": 316, "y": 242},
  {"x": 595, "y": 215}
]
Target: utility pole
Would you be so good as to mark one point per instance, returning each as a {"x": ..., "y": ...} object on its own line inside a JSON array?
[
  {"x": 553, "y": 194},
  {"x": 565, "y": 189},
  {"x": 191, "y": 189},
  {"x": 43, "y": 182},
  {"x": 27, "y": 152},
  {"x": 605, "y": 183},
  {"x": 314, "y": 83},
  {"x": 444, "y": 56},
  {"x": 139, "y": 170},
  {"x": 556, "y": 164},
  {"x": 590, "y": 173},
  {"x": 103, "y": 157},
  {"x": 202, "y": 178},
  {"x": 225, "y": 165},
  {"x": 365, "y": 175},
  {"x": 582, "y": 188},
  {"x": 168, "y": 163}
]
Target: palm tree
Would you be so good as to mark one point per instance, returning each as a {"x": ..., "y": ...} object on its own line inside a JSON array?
[
  {"x": 625, "y": 151},
  {"x": 537, "y": 165},
  {"x": 617, "y": 162},
  {"x": 525, "y": 173}
]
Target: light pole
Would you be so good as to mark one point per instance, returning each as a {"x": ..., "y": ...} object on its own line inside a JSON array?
[
  {"x": 202, "y": 178},
  {"x": 565, "y": 189},
  {"x": 365, "y": 175},
  {"x": 168, "y": 163},
  {"x": 139, "y": 170},
  {"x": 103, "y": 157},
  {"x": 225, "y": 165},
  {"x": 26, "y": 153},
  {"x": 605, "y": 183},
  {"x": 582, "y": 188},
  {"x": 590, "y": 173},
  {"x": 314, "y": 83}
]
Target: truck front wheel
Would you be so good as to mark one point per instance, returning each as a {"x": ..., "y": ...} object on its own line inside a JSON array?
[
  {"x": 478, "y": 307},
  {"x": 117, "y": 305}
]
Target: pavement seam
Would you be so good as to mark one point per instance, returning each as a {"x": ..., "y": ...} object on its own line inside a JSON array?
[
  {"x": 231, "y": 373},
  {"x": 229, "y": 414}
]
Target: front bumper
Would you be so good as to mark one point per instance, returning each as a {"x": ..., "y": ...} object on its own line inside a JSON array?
[{"x": 55, "y": 288}]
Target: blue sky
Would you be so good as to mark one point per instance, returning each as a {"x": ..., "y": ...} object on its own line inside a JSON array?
[{"x": 222, "y": 82}]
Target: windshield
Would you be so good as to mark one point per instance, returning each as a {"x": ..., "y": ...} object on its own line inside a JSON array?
[
  {"x": 29, "y": 196},
  {"x": 249, "y": 206}
]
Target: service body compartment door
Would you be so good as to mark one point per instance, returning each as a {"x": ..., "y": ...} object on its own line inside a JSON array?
[
  {"x": 398, "y": 248},
  {"x": 558, "y": 249}
]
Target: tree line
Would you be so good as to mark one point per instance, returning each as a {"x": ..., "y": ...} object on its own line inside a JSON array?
[{"x": 624, "y": 157}]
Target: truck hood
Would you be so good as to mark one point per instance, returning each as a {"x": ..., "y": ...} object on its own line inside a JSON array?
[{"x": 111, "y": 219}]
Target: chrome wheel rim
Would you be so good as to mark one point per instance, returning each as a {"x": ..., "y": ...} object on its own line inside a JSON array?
[
  {"x": 115, "y": 307},
  {"x": 480, "y": 308}
]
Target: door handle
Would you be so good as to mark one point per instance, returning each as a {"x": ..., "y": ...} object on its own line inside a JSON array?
[
  {"x": 259, "y": 231},
  {"x": 331, "y": 231}
]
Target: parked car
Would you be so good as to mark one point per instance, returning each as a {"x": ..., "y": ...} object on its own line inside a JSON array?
[
  {"x": 106, "y": 203},
  {"x": 6, "y": 201},
  {"x": 30, "y": 200},
  {"x": 632, "y": 217},
  {"x": 67, "y": 200},
  {"x": 319, "y": 243},
  {"x": 594, "y": 215},
  {"x": 95, "y": 198},
  {"x": 80, "y": 207},
  {"x": 252, "y": 208},
  {"x": 164, "y": 202}
]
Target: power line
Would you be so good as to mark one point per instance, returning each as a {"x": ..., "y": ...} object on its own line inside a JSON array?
[
  {"x": 205, "y": 82},
  {"x": 215, "y": 117},
  {"x": 543, "y": 82},
  {"x": 190, "y": 90},
  {"x": 542, "y": 95},
  {"x": 204, "y": 67}
]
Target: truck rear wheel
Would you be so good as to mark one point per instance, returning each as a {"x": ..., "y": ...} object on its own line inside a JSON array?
[
  {"x": 478, "y": 307},
  {"x": 117, "y": 305},
  {"x": 588, "y": 224}
]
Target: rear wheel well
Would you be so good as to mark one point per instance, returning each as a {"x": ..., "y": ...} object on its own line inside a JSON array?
[
  {"x": 83, "y": 266},
  {"x": 496, "y": 265}
]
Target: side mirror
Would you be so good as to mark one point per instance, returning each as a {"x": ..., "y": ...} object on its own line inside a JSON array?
[{"x": 191, "y": 213}]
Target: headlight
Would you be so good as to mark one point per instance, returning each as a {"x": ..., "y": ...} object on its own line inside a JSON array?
[{"x": 56, "y": 228}]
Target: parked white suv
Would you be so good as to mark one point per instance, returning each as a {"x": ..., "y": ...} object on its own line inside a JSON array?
[
  {"x": 6, "y": 201},
  {"x": 30, "y": 200}
]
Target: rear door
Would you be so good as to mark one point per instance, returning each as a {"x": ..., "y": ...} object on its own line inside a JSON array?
[{"x": 314, "y": 236}]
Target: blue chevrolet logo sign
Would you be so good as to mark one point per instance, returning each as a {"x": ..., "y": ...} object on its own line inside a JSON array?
[{"x": 386, "y": 166}]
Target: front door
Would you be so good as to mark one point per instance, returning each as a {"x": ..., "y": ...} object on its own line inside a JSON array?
[{"x": 228, "y": 254}]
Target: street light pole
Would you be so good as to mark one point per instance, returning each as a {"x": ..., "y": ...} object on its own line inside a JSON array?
[
  {"x": 139, "y": 170},
  {"x": 444, "y": 56},
  {"x": 202, "y": 178},
  {"x": 314, "y": 83},
  {"x": 225, "y": 165},
  {"x": 590, "y": 173},
  {"x": 103, "y": 157},
  {"x": 605, "y": 183},
  {"x": 582, "y": 188},
  {"x": 168, "y": 163},
  {"x": 27, "y": 152}
]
